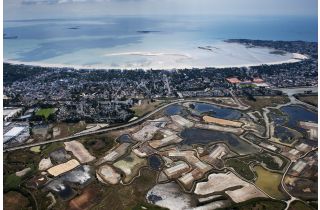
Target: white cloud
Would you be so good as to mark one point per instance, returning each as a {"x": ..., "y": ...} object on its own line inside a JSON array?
[
  {"x": 59, "y": 1},
  {"x": 15, "y": 9},
  {"x": 69, "y": 1}
]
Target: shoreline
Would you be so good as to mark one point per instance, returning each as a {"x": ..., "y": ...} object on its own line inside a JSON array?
[{"x": 296, "y": 57}]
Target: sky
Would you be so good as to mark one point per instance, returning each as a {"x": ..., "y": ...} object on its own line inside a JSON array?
[{"x": 43, "y": 9}]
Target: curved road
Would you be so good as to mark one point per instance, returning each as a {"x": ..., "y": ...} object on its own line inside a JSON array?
[
  {"x": 111, "y": 128},
  {"x": 92, "y": 132}
]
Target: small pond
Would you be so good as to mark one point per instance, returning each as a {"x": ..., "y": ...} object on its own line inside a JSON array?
[
  {"x": 201, "y": 136},
  {"x": 125, "y": 138},
  {"x": 216, "y": 111},
  {"x": 155, "y": 162},
  {"x": 173, "y": 110},
  {"x": 297, "y": 114}
]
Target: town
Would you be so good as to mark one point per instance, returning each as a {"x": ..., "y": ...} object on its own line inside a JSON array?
[{"x": 190, "y": 138}]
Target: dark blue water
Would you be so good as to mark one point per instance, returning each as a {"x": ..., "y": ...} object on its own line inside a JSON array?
[
  {"x": 284, "y": 134},
  {"x": 192, "y": 136},
  {"x": 155, "y": 162},
  {"x": 125, "y": 138},
  {"x": 173, "y": 110},
  {"x": 219, "y": 112},
  {"x": 66, "y": 193},
  {"x": 297, "y": 114}
]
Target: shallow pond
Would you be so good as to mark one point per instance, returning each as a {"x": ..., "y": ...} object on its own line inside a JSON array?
[
  {"x": 284, "y": 134},
  {"x": 202, "y": 136},
  {"x": 297, "y": 114},
  {"x": 173, "y": 110},
  {"x": 125, "y": 138},
  {"x": 66, "y": 192},
  {"x": 216, "y": 111},
  {"x": 269, "y": 181},
  {"x": 155, "y": 162}
]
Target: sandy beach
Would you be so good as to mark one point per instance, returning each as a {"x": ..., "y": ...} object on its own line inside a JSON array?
[{"x": 296, "y": 57}]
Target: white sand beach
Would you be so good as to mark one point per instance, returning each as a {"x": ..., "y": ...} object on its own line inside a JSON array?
[{"x": 218, "y": 55}]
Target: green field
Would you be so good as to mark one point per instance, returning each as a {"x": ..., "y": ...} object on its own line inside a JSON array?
[
  {"x": 11, "y": 182},
  {"x": 269, "y": 182},
  {"x": 241, "y": 168},
  {"x": 298, "y": 205},
  {"x": 241, "y": 164},
  {"x": 45, "y": 112},
  {"x": 259, "y": 204}
]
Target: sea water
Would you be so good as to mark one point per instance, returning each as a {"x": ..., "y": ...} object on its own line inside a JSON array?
[{"x": 158, "y": 42}]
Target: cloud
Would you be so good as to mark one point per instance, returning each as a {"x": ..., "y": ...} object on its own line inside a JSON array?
[
  {"x": 20, "y": 9},
  {"x": 33, "y": 2}
]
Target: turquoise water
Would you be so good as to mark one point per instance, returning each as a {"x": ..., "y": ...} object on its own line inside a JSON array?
[{"x": 133, "y": 42}]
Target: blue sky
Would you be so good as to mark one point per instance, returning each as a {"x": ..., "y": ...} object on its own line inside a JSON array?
[{"x": 37, "y": 9}]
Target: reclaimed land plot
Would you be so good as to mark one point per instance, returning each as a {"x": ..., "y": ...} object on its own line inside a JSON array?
[
  {"x": 130, "y": 165},
  {"x": 237, "y": 131},
  {"x": 115, "y": 153},
  {"x": 64, "y": 167},
  {"x": 106, "y": 174},
  {"x": 222, "y": 122},
  {"x": 173, "y": 139},
  {"x": 224, "y": 183},
  {"x": 176, "y": 169},
  {"x": 79, "y": 151}
]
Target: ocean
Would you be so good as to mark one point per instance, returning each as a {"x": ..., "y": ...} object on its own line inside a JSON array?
[{"x": 157, "y": 42}]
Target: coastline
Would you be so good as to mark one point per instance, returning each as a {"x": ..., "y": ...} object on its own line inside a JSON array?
[{"x": 296, "y": 57}]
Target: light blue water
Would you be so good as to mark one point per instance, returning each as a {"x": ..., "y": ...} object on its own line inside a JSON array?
[{"x": 86, "y": 42}]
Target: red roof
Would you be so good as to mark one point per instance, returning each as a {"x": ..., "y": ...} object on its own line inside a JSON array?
[
  {"x": 257, "y": 80},
  {"x": 233, "y": 80}
]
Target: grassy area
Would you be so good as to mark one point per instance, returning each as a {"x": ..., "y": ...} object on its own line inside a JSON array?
[
  {"x": 144, "y": 206},
  {"x": 130, "y": 165},
  {"x": 15, "y": 201},
  {"x": 247, "y": 85},
  {"x": 18, "y": 160},
  {"x": 264, "y": 101},
  {"x": 46, "y": 112},
  {"x": 98, "y": 145},
  {"x": 127, "y": 197},
  {"x": 241, "y": 168},
  {"x": 241, "y": 164},
  {"x": 35, "y": 149},
  {"x": 259, "y": 204},
  {"x": 11, "y": 182},
  {"x": 309, "y": 99},
  {"x": 67, "y": 129},
  {"x": 269, "y": 182},
  {"x": 298, "y": 205},
  {"x": 47, "y": 149},
  {"x": 145, "y": 107}
]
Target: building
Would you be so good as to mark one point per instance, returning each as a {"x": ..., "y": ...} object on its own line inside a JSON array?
[{"x": 10, "y": 112}]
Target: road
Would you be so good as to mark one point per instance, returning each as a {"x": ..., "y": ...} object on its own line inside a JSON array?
[
  {"x": 129, "y": 124},
  {"x": 241, "y": 106},
  {"x": 292, "y": 198},
  {"x": 93, "y": 132},
  {"x": 292, "y": 91}
]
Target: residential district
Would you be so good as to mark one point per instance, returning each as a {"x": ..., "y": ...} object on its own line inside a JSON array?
[{"x": 232, "y": 138}]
